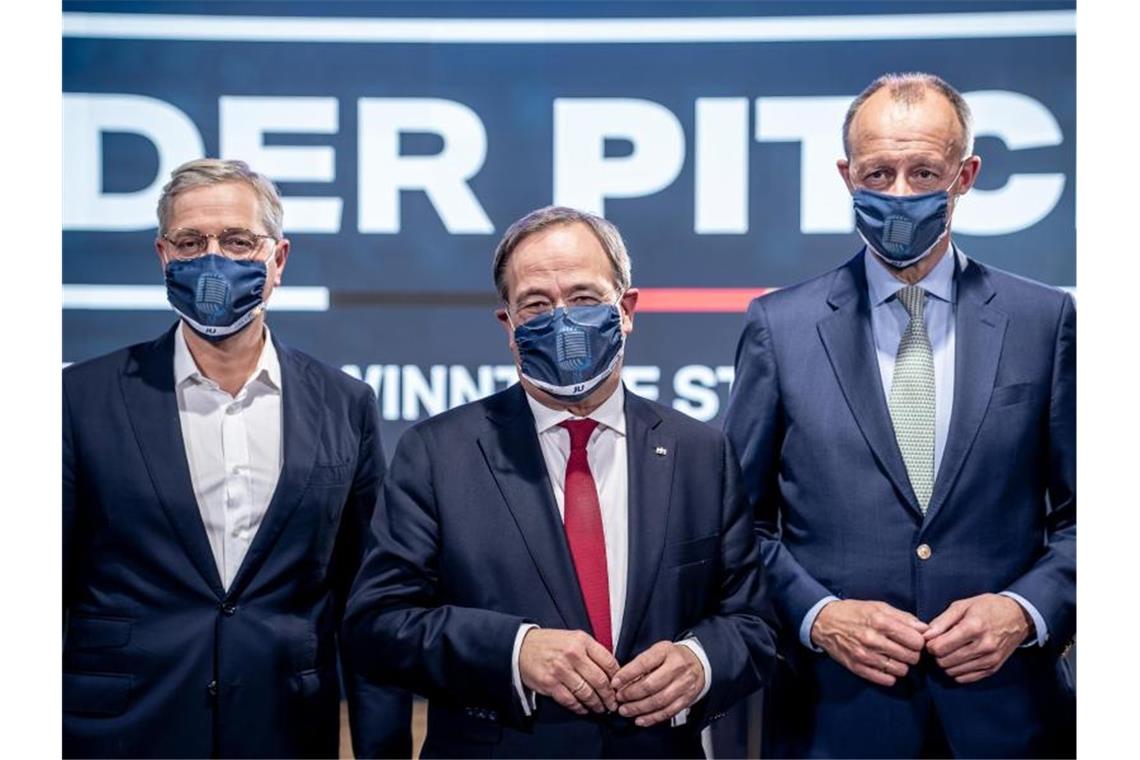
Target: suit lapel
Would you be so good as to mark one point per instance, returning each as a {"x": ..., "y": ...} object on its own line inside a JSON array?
[
  {"x": 302, "y": 415},
  {"x": 979, "y": 336},
  {"x": 850, "y": 347},
  {"x": 512, "y": 452},
  {"x": 650, "y": 491},
  {"x": 152, "y": 407}
]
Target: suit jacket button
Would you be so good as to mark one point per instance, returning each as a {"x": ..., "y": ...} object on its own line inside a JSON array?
[
  {"x": 923, "y": 551},
  {"x": 212, "y": 688},
  {"x": 228, "y": 609}
]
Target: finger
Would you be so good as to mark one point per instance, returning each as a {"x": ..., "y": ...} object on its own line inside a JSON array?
[
  {"x": 562, "y": 696},
  {"x": 656, "y": 680},
  {"x": 873, "y": 675},
  {"x": 951, "y": 641},
  {"x": 975, "y": 664},
  {"x": 603, "y": 658},
  {"x": 974, "y": 677},
  {"x": 970, "y": 651},
  {"x": 882, "y": 646},
  {"x": 949, "y": 618},
  {"x": 667, "y": 713},
  {"x": 894, "y": 667},
  {"x": 599, "y": 683},
  {"x": 654, "y": 702},
  {"x": 645, "y": 662},
  {"x": 585, "y": 694},
  {"x": 905, "y": 636},
  {"x": 904, "y": 618}
]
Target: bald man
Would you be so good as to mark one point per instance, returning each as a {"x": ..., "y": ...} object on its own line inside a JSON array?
[{"x": 906, "y": 427}]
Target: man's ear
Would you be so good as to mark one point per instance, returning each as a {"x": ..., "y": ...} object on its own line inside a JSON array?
[
  {"x": 504, "y": 320},
  {"x": 280, "y": 257},
  {"x": 844, "y": 167},
  {"x": 968, "y": 174},
  {"x": 628, "y": 307}
]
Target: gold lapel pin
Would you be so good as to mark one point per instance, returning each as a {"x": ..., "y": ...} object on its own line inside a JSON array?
[{"x": 661, "y": 451}]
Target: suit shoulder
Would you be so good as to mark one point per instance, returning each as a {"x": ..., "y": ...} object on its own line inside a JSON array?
[
  {"x": 338, "y": 379},
  {"x": 1010, "y": 286},
  {"x": 466, "y": 416},
  {"x": 795, "y": 305},
  {"x": 104, "y": 368}
]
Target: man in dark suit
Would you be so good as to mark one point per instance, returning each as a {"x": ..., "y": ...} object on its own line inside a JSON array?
[
  {"x": 906, "y": 425},
  {"x": 217, "y": 486},
  {"x": 563, "y": 568}
]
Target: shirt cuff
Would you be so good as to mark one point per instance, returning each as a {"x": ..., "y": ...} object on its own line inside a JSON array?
[
  {"x": 695, "y": 647},
  {"x": 526, "y": 696},
  {"x": 809, "y": 621},
  {"x": 1038, "y": 621}
]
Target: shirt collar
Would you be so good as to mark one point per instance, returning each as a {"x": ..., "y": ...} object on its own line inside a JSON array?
[
  {"x": 611, "y": 413},
  {"x": 938, "y": 282},
  {"x": 267, "y": 371}
]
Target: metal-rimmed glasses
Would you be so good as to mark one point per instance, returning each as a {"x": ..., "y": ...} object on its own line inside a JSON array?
[{"x": 235, "y": 242}]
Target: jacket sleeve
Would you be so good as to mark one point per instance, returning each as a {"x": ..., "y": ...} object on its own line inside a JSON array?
[
  {"x": 755, "y": 426},
  {"x": 738, "y": 639},
  {"x": 1050, "y": 584},
  {"x": 380, "y": 717},
  {"x": 399, "y": 627}
]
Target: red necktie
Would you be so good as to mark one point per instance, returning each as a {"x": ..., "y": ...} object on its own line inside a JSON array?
[{"x": 583, "y": 524}]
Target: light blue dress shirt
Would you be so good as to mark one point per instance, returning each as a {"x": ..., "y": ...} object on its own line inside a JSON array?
[{"x": 889, "y": 320}]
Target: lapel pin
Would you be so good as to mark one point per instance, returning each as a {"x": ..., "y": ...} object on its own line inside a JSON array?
[{"x": 661, "y": 451}]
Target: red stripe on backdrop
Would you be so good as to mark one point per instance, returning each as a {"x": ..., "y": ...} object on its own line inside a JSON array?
[{"x": 688, "y": 300}]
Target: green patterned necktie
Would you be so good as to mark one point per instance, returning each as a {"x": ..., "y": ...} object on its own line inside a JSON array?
[{"x": 912, "y": 397}]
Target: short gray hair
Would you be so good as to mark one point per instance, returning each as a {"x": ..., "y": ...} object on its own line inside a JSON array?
[
  {"x": 911, "y": 88},
  {"x": 212, "y": 171},
  {"x": 540, "y": 219}
]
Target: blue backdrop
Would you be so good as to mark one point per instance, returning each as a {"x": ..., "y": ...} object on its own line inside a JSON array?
[{"x": 405, "y": 137}]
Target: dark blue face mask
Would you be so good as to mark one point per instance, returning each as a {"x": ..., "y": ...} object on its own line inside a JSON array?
[
  {"x": 570, "y": 351},
  {"x": 217, "y": 296},
  {"x": 901, "y": 229}
]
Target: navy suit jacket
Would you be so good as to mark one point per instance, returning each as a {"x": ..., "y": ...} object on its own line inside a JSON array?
[
  {"x": 158, "y": 659},
  {"x": 836, "y": 513},
  {"x": 468, "y": 544}
]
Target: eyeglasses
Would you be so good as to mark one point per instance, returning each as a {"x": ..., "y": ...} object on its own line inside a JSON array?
[{"x": 235, "y": 242}]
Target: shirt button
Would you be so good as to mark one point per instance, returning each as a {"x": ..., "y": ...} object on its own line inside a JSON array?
[
  {"x": 228, "y": 609},
  {"x": 923, "y": 551},
  {"x": 212, "y": 688},
  {"x": 236, "y": 470},
  {"x": 233, "y": 408}
]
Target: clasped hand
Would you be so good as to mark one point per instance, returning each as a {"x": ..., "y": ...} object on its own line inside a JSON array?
[
  {"x": 970, "y": 640},
  {"x": 583, "y": 676}
]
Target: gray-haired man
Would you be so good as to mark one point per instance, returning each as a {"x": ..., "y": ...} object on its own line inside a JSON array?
[
  {"x": 216, "y": 488},
  {"x": 564, "y": 569}
]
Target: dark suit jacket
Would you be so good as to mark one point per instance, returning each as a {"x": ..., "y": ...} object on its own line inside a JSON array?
[
  {"x": 836, "y": 513},
  {"x": 468, "y": 545},
  {"x": 158, "y": 659}
]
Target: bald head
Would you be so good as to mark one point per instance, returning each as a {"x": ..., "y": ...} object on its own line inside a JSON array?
[{"x": 898, "y": 93}]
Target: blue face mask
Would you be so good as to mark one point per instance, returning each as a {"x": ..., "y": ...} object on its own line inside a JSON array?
[
  {"x": 570, "y": 351},
  {"x": 217, "y": 296},
  {"x": 901, "y": 229}
]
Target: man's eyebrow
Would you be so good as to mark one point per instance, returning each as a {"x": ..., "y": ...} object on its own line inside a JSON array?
[
  {"x": 572, "y": 288},
  {"x": 531, "y": 292}
]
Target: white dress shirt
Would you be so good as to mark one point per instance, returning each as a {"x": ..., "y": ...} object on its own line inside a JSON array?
[
  {"x": 234, "y": 450},
  {"x": 609, "y": 464},
  {"x": 889, "y": 320}
]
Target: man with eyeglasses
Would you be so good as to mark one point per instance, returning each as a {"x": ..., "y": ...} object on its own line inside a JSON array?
[
  {"x": 564, "y": 569},
  {"x": 217, "y": 486}
]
